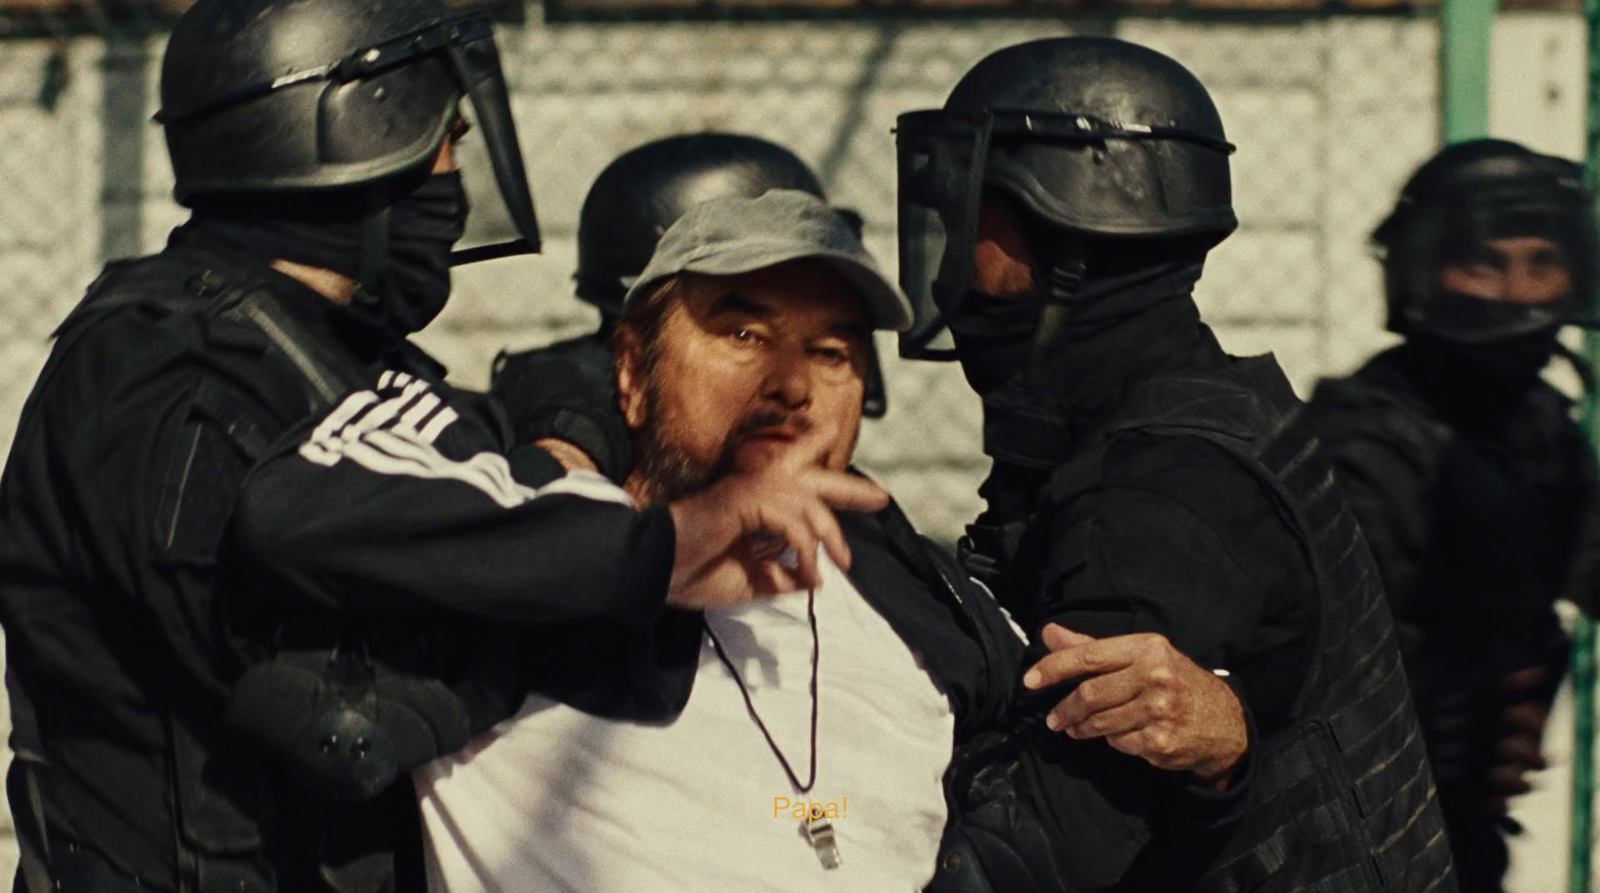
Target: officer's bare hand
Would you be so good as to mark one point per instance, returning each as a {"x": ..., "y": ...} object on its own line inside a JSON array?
[
  {"x": 571, "y": 457},
  {"x": 1517, "y": 751},
  {"x": 1147, "y": 699},
  {"x": 734, "y": 539}
]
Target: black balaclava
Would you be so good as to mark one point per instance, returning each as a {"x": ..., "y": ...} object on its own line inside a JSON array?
[
  {"x": 325, "y": 231},
  {"x": 1474, "y": 384},
  {"x": 1477, "y": 375},
  {"x": 1129, "y": 314}
]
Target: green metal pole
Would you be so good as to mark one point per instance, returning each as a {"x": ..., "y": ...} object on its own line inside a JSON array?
[
  {"x": 1466, "y": 28},
  {"x": 1580, "y": 867}
]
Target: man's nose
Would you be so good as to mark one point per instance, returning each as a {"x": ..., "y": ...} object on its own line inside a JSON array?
[{"x": 788, "y": 379}]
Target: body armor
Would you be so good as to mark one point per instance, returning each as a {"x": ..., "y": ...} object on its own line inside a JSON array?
[
  {"x": 1342, "y": 799},
  {"x": 327, "y": 710},
  {"x": 1468, "y": 489}
]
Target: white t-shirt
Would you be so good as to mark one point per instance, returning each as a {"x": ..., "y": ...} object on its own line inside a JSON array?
[{"x": 556, "y": 799}]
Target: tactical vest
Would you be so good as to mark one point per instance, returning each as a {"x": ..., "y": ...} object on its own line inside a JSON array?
[
  {"x": 1342, "y": 800},
  {"x": 223, "y": 799}
]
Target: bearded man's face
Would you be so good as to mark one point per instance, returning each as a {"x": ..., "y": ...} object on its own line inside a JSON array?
[{"x": 743, "y": 371}]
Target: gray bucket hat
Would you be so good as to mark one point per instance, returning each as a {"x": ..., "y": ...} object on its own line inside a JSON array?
[{"x": 733, "y": 235}]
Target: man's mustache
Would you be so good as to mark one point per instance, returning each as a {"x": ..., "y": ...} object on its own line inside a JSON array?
[{"x": 795, "y": 422}]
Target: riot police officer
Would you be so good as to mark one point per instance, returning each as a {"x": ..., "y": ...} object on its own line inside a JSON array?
[
  {"x": 1157, "y": 512},
  {"x": 244, "y": 519},
  {"x": 1472, "y": 482},
  {"x": 632, "y": 202}
]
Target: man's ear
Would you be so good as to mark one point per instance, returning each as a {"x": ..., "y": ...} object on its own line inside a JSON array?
[{"x": 630, "y": 376}]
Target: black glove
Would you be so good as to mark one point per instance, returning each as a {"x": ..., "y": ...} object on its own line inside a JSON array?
[
  {"x": 567, "y": 391},
  {"x": 343, "y": 725}
]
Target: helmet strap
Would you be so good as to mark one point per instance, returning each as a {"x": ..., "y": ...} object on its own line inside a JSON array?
[
  {"x": 1063, "y": 275},
  {"x": 374, "y": 247}
]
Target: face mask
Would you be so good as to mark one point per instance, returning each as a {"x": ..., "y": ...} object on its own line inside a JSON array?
[
  {"x": 423, "y": 229},
  {"x": 1493, "y": 372},
  {"x": 994, "y": 336},
  {"x": 1471, "y": 318}
]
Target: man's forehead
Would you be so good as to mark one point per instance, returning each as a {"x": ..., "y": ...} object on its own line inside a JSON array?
[
  {"x": 797, "y": 286},
  {"x": 1521, "y": 243}
]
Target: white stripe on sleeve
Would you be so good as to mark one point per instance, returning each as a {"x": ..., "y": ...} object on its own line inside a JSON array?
[{"x": 380, "y": 436}]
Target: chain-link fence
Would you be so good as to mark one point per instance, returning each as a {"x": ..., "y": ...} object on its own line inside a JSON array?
[{"x": 1329, "y": 111}]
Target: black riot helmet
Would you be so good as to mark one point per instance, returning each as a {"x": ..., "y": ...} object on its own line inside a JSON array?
[
  {"x": 261, "y": 98},
  {"x": 1090, "y": 136},
  {"x": 645, "y": 190},
  {"x": 1466, "y": 196}
]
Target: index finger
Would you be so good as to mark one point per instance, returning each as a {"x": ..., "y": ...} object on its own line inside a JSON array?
[
  {"x": 848, "y": 492},
  {"x": 1099, "y": 656},
  {"x": 809, "y": 450},
  {"x": 1057, "y": 637},
  {"x": 1522, "y": 680}
]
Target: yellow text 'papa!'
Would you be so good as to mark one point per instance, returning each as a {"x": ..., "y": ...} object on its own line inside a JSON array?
[{"x": 803, "y": 810}]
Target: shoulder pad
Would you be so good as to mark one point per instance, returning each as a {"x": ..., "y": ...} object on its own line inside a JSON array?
[
  {"x": 1248, "y": 401},
  {"x": 163, "y": 283},
  {"x": 1355, "y": 408}
]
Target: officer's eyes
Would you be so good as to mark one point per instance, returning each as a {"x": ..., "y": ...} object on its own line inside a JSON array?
[{"x": 1547, "y": 260}]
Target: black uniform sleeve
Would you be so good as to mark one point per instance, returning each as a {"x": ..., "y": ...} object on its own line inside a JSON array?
[{"x": 394, "y": 501}]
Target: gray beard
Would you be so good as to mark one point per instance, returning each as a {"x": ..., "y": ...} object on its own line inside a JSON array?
[{"x": 667, "y": 473}]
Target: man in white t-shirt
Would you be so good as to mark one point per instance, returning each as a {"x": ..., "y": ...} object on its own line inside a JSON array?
[{"x": 822, "y": 735}]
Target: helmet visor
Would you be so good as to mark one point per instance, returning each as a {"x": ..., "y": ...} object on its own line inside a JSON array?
[
  {"x": 475, "y": 61},
  {"x": 941, "y": 157}
]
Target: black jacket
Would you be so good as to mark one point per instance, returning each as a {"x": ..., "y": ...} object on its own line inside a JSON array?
[
  {"x": 1480, "y": 514},
  {"x": 158, "y": 514}
]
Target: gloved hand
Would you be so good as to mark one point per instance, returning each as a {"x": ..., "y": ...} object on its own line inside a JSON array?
[
  {"x": 567, "y": 391},
  {"x": 342, "y": 724}
]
